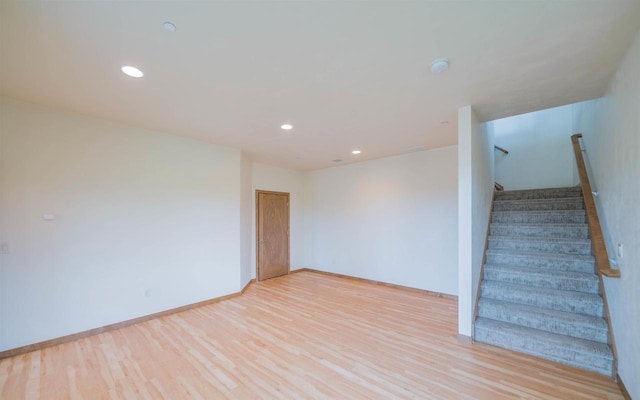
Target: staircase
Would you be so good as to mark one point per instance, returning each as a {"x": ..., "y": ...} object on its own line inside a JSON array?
[{"x": 540, "y": 294}]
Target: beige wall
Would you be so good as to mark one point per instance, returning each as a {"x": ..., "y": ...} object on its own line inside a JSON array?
[
  {"x": 392, "y": 219},
  {"x": 246, "y": 220},
  {"x": 144, "y": 222}
]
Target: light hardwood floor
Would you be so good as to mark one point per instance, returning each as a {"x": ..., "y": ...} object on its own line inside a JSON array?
[{"x": 302, "y": 336}]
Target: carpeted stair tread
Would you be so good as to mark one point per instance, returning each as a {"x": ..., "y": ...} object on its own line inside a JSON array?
[
  {"x": 562, "y": 262},
  {"x": 543, "y": 212},
  {"x": 568, "y": 203},
  {"x": 539, "y": 254},
  {"x": 560, "y": 322},
  {"x": 543, "y": 245},
  {"x": 554, "y": 299},
  {"x": 535, "y": 201},
  {"x": 546, "y": 278},
  {"x": 506, "y": 253},
  {"x": 540, "y": 216},
  {"x": 549, "y": 230},
  {"x": 580, "y": 353},
  {"x": 553, "y": 193}
]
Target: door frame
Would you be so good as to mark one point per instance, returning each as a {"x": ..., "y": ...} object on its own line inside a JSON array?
[{"x": 257, "y": 242}]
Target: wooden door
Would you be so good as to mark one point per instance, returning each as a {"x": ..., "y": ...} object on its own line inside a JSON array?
[{"x": 272, "y": 234}]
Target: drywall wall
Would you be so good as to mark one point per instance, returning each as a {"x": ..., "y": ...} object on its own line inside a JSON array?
[
  {"x": 475, "y": 192},
  {"x": 267, "y": 177},
  {"x": 391, "y": 220},
  {"x": 540, "y": 152},
  {"x": 611, "y": 129},
  {"x": 144, "y": 222},
  {"x": 246, "y": 212}
]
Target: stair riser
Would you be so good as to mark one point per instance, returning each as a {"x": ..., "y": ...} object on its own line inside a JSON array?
[
  {"x": 550, "y": 282},
  {"x": 542, "y": 247},
  {"x": 539, "y": 194},
  {"x": 538, "y": 205},
  {"x": 541, "y": 231},
  {"x": 555, "y": 353},
  {"x": 536, "y": 218},
  {"x": 593, "y": 308},
  {"x": 557, "y": 264},
  {"x": 545, "y": 324}
]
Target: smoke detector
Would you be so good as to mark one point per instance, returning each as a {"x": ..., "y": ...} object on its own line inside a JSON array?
[{"x": 439, "y": 65}]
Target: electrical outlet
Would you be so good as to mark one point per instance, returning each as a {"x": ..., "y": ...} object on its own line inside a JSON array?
[
  {"x": 620, "y": 251},
  {"x": 4, "y": 248}
]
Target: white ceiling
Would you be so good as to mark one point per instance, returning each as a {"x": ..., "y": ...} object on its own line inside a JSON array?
[{"x": 346, "y": 74}]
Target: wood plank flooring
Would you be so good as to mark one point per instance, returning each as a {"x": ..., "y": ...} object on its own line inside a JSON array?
[{"x": 302, "y": 336}]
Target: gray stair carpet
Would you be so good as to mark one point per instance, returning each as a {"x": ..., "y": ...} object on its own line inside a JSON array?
[
  {"x": 539, "y": 293},
  {"x": 564, "y": 262},
  {"x": 569, "y": 203},
  {"x": 542, "y": 245}
]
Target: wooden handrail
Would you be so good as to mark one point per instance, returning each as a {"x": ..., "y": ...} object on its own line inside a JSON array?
[
  {"x": 598, "y": 248},
  {"x": 505, "y": 151}
]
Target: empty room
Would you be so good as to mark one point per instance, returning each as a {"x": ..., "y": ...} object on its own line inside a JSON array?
[{"x": 319, "y": 199}]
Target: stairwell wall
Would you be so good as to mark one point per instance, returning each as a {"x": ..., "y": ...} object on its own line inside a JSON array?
[
  {"x": 475, "y": 192},
  {"x": 611, "y": 132},
  {"x": 540, "y": 151}
]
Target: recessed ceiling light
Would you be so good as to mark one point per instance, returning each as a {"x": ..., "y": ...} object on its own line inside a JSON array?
[
  {"x": 132, "y": 71},
  {"x": 286, "y": 127},
  {"x": 356, "y": 152},
  {"x": 337, "y": 160},
  {"x": 169, "y": 26},
  {"x": 444, "y": 123},
  {"x": 439, "y": 65}
]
